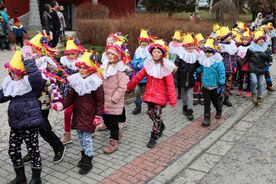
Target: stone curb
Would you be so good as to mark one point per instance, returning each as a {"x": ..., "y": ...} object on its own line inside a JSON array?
[{"x": 184, "y": 161}]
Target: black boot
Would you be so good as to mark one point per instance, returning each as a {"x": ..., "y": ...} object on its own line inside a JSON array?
[
  {"x": 20, "y": 176},
  {"x": 136, "y": 111},
  {"x": 195, "y": 100},
  {"x": 190, "y": 115},
  {"x": 185, "y": 110},
  {"x": 206, "y": 121},
  {"x": 59, "y": 154},
  {"x": 152, "y": 141},
  {"x": 201, "y": 99},
  {"x": 227, "y": 102},
  {"x": 81, "y": 160},
  {"x": 86, "y": 165},
  {"x": 161, "y": 129},
  {"x": 36, "y": 176},
  {"x": 218, "y": 115}
]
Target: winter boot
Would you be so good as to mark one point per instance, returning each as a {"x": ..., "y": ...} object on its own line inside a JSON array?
[
  {"x": 190, "y": 115},
  {"x": 161, "y": 129},
  {"x": 111, "y": 147},
  {"x": 259, "y": 100},
  {"x": 20, "y": 176},
  {"x": 248, "y": 94},
  {"x": 86, "y": 165},
  {"x": 227, "y": 102},
  {"x": 195, "y": 100},
  {"x": 67, "y": 138},
  {"x": 136, "y": 111},
  {"x": 218, "y": 115},
  {"x": 81, "y": 160},
  {"x": 254, "y": 98},
  {"x": 36, "y": 176},
  {"x": 185, "y": 110},
  {"x": 152, "y": 142},
  {"x": 201, "y": 99},
  {"x": 206, "y": 121}
]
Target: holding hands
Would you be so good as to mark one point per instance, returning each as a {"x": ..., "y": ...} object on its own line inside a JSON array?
[{"x": 57, "y": 106}]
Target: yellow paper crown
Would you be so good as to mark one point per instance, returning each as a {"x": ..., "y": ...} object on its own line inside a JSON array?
[
  {"x": 241, "y": 25},
  {"x": 70, "y": 45},
  {"x": 235, "y": 31},
  {"x": 216, "y": 27},
  {"x": 210, "y": 44},
  {"x": 246, "y": 34},
  {"x": 86, "y": 58},
  {"x": 144, "y": 34},
  {"x": 238, "y": 38},
  {"x": 218, "y": 33},
  {"x": 188, "y": 39},
  {"x": 224, "y": 31},
  {"x": 159, "y": 44},
  {"x": 199, "y": 37},
  {"x": 16, "y": 61},
  {"x": 178, "y": 35},
  {"x": 258, "y": 34}
]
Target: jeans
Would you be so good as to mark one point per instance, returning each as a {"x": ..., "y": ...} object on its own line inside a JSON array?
[
  {"x": 187, "y": 97},
  {"x": 138, "y": 99},
  {"x": 86, "y": 142},
  {"x": 257, "y": 81}
]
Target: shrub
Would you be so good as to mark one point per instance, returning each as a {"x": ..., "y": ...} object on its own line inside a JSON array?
[
  {"x": 89, "y": 10},
  {"x": 94, "y": 32}
]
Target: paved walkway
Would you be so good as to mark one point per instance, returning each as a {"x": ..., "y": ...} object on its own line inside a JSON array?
[{"x": 133, "y": 162}]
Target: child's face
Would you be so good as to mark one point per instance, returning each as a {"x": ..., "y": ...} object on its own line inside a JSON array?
[
  {"x": 144, "y": 44},
  {"x": 110, "y": 41},
  {"x": 157, "y": 54},
  {"x": 260, "y": 41},
  {"x": 72, "y": 56},
  {"x": 15, "y": 76},
  {"x": 190, "y": 48},
  {"x": 84, "y": 72},
  {"x": 245, "y": 41},
  {"x": 112, "y": 58},
  {"x": 228, "y": 39},
  {"x": 209, "y": 54}
]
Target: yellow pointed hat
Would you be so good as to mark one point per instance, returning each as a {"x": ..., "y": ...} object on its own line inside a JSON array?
[
  {"x": 16, "y": 64},
  {"x": 216, "y": 27},
  {"x": 159, "y": 44},
  {"x": 218, "y": 34},
  {"x": 241, "y": 25},
  {"x": 188, "y": 40},
  {"x": 246, "y": 35},
  {"x": 40, "y": 44},
  {"x": 178, "y": 35},
  {"x": 199, "y": 37},
  {"x": 238, "y": 38},
  {"x": 210, "y": 44},
  {"x": 73, "y": 45},
  {"x": 90, "y": 60},
  {"x": 224, "y": 31},
  {"x": 258, "y": 34},
  {"x": 144, "y": 36}
]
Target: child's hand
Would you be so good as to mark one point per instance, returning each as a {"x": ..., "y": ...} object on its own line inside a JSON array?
[
  {"x": 57, "y": 106},
  {"x": 220, "y": 89},
  {"x": 97, "y": 121}
]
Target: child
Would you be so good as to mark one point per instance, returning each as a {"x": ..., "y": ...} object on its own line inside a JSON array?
[
  {"x": 257, "y": 56},
  {"x": 68, "y": 61},
  {"x": 197, "y": 92},
  {"x": 87, "y": 95},
  {"x": 21, "y": 88},
  {"x": 49, "y": 95},
  {"x": 243, "y": 73},
  {"x": 115, "y": 85},
  {"x": 186, "y": 63},
  {"x": 139, "y": 57},
  {"x": 159, "y": 89},
  {"x": 18, "y": 31},
  {"x": 228, "y": 51},
  {"x": 213, "y": 80}
]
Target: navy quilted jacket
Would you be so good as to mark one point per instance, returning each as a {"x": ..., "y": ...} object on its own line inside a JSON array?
[{"x": 24, "y": 111}]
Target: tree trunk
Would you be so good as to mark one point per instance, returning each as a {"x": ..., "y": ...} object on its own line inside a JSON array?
[
  {"x": 34, "y": 18},
  {"x": 197, "y": 7}
]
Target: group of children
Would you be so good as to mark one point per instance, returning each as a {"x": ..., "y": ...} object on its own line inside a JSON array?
[{"x": 92, "y": 91}]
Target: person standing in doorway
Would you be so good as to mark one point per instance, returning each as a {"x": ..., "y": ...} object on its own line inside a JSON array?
[{"x": 56, "y": 24}]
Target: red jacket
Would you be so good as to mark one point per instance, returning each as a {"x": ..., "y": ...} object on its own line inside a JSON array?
[{"x": 158, "y": 91}]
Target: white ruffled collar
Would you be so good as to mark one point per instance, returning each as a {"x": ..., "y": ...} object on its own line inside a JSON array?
[
  {"x": 230, "y": 48},
  {"x": 104, "y": 59},
  {"x": 112, "y": 69},
  {"x": 209, "y": 61},
  {"x": 156, "y": 69},
  {"x": 43, "y": 62},
  {"x": 142, "y": 52},
  {"x": 242, "y": 50},
  {"x": 69, "y": 64},
  {"x": 16, "y": 88},
  {"x": 84, "y": 86},
  {"x": 188, "y": 57},
  {"x": 174, "y": 47}
]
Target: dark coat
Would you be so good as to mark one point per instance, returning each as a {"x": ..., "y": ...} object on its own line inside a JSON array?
[
  {"x": 47, "y": 23},
  {"x": 257, "y": 61},
  {"x": 56, "y": 21},
  {"x": 85, "y": 108},
  {"x": 185, "y": 73},
  {"x": 24, "y": 111}
]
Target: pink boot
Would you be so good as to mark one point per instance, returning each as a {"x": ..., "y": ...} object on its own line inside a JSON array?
[
  {"x": 248, "y": 94},
  {"x": 239, "y": 93}
]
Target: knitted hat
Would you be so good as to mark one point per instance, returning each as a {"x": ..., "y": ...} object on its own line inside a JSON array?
[
  {"x": 16, "y": 64},
  {"x": 73, "y": 45},
  {"x": 160, "y": 44},
  {"x": 119, "y": 49},
  {"x": 178, "y": 35}
]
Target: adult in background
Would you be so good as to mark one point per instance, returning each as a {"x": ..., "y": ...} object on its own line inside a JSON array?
[
  {"x": 56, "y": 24},
  {"x": 47, "y": 21},
  {"x": 61, "y": 19},
  {"x": 258, "y": 20},
  {"x": 269, "y": 18}
]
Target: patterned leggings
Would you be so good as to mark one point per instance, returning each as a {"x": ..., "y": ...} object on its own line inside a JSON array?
[
  {"x": 155, "y": 114},
  {"x": 245, "y": 74},
  {"x": 30, "y": 136},
  {"x": 228, "y": 84}
]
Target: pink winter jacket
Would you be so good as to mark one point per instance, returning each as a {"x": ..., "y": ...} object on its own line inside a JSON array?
[{"x": 114, "y": 93}]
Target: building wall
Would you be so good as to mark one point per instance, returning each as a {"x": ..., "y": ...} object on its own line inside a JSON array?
[
  {"x": 17, "y": 8},
  {"x": 119, "y": 7}
]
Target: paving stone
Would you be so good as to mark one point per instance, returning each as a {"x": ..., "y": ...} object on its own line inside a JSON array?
[
  {"x": 205, "y": 162},
  {"x": 220, "y": 148}
]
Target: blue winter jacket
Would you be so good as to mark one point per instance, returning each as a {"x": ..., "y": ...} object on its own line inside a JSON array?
[
  {"x": 138, "y": 64},
  {"x": 24, "y": 111},
  {"x": 212, "y": 76},
  {"x": 18, "y": 31}
]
